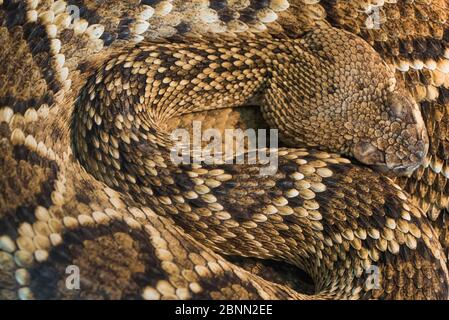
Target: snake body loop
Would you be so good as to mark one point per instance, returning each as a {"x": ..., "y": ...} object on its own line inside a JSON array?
[
  {"x": 308, "y": 213},
  {"x": 88, "y": 185}
]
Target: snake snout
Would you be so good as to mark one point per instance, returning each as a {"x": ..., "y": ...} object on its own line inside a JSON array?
[
  {"x": 407, "y": 165},
  {"x": 405, "y": 142},
  {"x": 394, "y": 162}
]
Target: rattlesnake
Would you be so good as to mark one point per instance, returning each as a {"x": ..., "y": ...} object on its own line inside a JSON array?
[{"x": 87, "y": 180}]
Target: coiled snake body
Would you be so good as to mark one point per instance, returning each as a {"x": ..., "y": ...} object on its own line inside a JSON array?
[{"x": 89, "y": 182}]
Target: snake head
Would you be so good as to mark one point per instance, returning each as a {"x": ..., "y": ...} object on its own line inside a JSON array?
[
  {"x": 338, "y": 94},
  {"x": 400, "y": 142}
]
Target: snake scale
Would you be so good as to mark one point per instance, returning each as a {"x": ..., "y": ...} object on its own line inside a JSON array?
[{"x": 88, "y": 89}]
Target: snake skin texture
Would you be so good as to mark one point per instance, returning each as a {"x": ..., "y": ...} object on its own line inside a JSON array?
[
  {"x": 86, "y": 178},
  {"x": 413, "y": 36}
]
